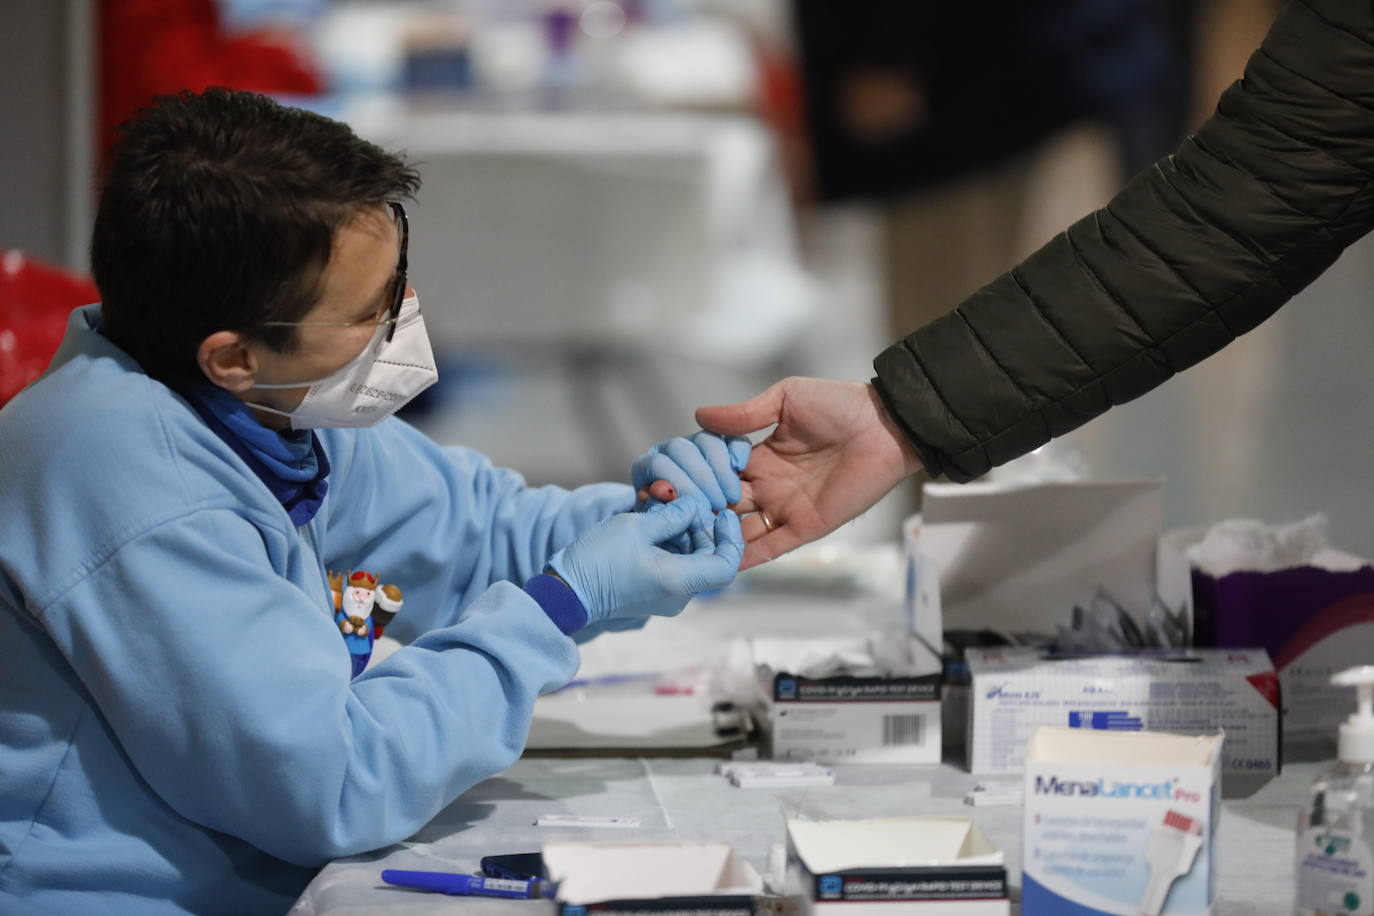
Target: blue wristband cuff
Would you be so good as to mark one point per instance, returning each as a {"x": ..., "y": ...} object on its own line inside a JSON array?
[{"x": 559, "y": 601}]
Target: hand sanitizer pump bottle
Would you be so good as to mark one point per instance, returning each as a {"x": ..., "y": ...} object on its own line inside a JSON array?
[{"x": 1335, "y": 860}]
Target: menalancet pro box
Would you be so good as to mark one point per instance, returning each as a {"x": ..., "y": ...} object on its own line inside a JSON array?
[{"x": 1120, "y": 822}]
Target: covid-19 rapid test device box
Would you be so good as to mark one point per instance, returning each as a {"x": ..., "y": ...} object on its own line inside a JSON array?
[
  {"x": 894, "y": 866},
  {"x": 1190, "y": 692},
  {"x": 814, "y": 708},
  {"x": 1120, "y": 823}
]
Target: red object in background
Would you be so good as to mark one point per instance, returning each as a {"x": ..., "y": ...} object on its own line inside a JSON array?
[
  {"x": 35, "y": 301},
  {"x": 157, "y": 47},
  {"x": 782, "y": 105}
]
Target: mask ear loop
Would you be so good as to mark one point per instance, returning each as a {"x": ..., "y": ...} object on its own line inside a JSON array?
[
  {"x": 313, "y": 386},
  {"x": 367, "y": 350},
  {"x": 264, "y": 407},
  {"x": 409, "y": 313}
]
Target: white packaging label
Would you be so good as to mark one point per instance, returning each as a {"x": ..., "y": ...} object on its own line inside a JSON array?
[
  {"x": 1313, "y": 706},
  {"x": 841, "y": 732},
  {"x": 1335, "y": 874},
  {"x": 1014, "y": 692}
]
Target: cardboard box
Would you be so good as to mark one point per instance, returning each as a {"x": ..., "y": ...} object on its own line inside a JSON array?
[
  {"x": 891, "y": 717},
  {"x": 911, "y": 866},
  {"x": 1120, "y": 822},
  {"x": 686, "y": 879},
  {"x": 1192, "y": 692},
  {"x": 1018, "y": 558}
]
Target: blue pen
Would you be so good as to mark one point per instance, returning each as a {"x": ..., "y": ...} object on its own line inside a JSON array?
[{"x": 469, "y": 885}]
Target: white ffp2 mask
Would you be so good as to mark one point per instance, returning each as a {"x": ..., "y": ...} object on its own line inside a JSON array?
[{"x": 373, "y": 385}]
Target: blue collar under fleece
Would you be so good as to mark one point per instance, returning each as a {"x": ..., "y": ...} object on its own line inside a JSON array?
[{"x": 292, "y": 464}]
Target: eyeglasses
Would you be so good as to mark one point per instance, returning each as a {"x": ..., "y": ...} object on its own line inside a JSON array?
[{"x": 398, "y": 296}]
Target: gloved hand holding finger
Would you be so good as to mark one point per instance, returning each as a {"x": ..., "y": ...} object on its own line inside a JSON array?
[
  {"x": 722, "y": 542},
  {"x": 682, "y": 466},
  {"x": 617, "y": 568},
  {"x": 715, "y": 563},
  {"x": 703, "y": 464},
  {"x": 658, "y": 492},
  {"x": 740, "y": 448}
]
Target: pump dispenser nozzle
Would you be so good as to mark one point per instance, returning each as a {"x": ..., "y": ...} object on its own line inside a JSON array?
[{"x": 1356, "y": 743}]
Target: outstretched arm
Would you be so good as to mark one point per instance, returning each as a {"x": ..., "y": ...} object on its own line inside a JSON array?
[
  {"x": 1196, "y": 250},
  {"x": 833, "y": 454}
]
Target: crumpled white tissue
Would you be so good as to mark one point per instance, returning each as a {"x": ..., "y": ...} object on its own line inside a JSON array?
[
  {"x": 827, "y": 661},
  {"x": 870, "y": 656},
  {"x": 1247, "y": 544}
]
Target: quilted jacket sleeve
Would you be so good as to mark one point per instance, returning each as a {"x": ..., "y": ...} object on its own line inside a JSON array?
[{"x": 1196, "y": 250}]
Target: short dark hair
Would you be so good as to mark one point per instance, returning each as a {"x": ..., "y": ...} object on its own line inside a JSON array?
[{"x": 219, "y": 212}]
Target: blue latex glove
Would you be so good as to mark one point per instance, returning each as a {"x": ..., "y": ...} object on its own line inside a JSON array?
[
  {"x": 617, "y": 569},
  {"x": 703, "y": 465}
]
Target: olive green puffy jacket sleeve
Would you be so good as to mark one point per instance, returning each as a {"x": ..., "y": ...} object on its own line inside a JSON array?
[{"x": 1196, "y": 250}]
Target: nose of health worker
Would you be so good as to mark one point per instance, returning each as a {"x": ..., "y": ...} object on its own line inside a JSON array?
[{"x": 619, "y": 567}]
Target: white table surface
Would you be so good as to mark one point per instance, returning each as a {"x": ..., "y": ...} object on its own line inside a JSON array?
[{"x": 681, "y": 799}]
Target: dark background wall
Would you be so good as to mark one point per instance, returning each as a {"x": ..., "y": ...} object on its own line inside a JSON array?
[{"x": 47, "y": 118}]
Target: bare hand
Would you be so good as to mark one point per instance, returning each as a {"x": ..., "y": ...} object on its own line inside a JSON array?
[{"x": 834, "y": 453}]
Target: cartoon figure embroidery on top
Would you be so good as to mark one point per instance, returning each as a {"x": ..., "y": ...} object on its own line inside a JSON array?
[{"x": 362, "y": 611}]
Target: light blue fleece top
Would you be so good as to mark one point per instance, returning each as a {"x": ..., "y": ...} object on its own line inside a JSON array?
[{"x": 178, "y": 729}]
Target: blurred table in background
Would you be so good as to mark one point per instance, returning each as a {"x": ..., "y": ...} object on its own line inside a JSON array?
[{"x": 599, "y": 243}]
